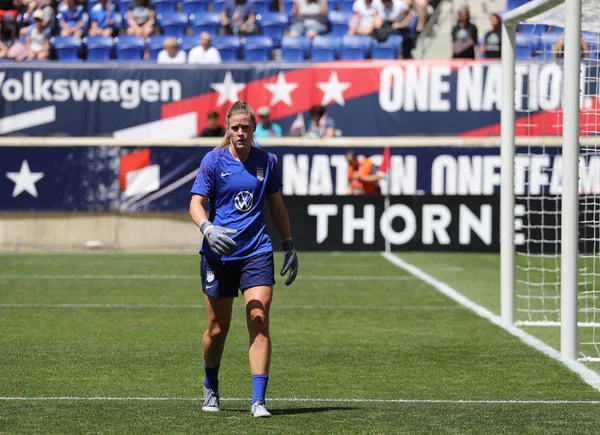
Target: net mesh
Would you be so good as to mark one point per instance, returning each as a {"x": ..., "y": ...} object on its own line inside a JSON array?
[{"x": 538, "y": 174}]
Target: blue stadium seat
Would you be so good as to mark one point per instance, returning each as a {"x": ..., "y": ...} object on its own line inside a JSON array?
[
  {"x": 260, "y": 6},
  {"x": 546, "y": 42},
  {"x": 124, "y": 5},
  {"x": 347, "y": 5},
  {"x": 207, "y": 22},
  {"x": 356, "y": 47},
  {"x": 129, "y": 48},
  {"x": 526, "y": 46},
  {"x": 155, "y": 45},
  {"x": 339, "y": 22},
  {"x": 66, "y": 48},
  {"x": 512, "y": 4},
  {"x": 388, "y": 49},
  {"x": 194, "y": 7},
  {"x": 593, "y": 42},
  {"x": 228, "y": 46},
  {"x": 189, "y": 42},
  {"x": 257, "y": 48},
  {"x": 533, "y": 29},
  {"x": 99, "y": 48},
  {"x": 294, "y": 49},
  {"x": 287, "y": 7},
  {"x": 325, "y": 48},
  {"x": 218, "y": 5},
  {"x": 164, "y": 6},
  {"x": 173, "y": 24},
  {"x": 273, "y": 25}
]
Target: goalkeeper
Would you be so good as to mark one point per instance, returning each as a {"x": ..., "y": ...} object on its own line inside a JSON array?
[{"x": 236, "y": 178}]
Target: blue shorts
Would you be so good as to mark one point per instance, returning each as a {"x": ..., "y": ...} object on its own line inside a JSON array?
[{"x": 222, "y": 279}]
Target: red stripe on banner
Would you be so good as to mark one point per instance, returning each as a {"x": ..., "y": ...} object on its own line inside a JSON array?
[
  {"x": 362, "y": 78},
  {"x": 131, "y": 162},
  {"x": 547, "y": 123}
]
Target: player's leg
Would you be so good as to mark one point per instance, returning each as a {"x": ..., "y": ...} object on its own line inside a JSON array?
[
  {"x": 256, "y": 281},
  {"x": 218, "y": 298},
  {"x": 258, "y": 302}
]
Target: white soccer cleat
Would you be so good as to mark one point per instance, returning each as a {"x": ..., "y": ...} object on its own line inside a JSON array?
[
  {"x": 211, "y": 401},
  {"x": 259, "y": 410}
]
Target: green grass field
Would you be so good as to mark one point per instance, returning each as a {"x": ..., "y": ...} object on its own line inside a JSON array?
[{"x": 359, "y": 346}]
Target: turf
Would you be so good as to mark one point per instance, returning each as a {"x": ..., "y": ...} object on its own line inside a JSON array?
[{"x": 133, "y": 332}]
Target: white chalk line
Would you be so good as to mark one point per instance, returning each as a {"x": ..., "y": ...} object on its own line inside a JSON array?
[
  {"x": 275, "y": 307},
  {"x": 197, "y": 277},
  {"x": 589, "y": 376},
  {"x": 307, "y": 400}
]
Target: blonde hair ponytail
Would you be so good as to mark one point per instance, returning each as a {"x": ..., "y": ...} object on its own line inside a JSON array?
[{"x": 239, "y": 108}]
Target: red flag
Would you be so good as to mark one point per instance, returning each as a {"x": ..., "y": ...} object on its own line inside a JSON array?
[{"x": 385, "y": 165}]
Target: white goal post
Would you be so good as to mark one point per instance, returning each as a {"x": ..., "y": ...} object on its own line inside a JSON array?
[{"x": 541, "y": 280}]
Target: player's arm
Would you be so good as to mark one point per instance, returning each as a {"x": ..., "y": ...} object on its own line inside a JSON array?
[
  {"x": 218, "y": 237},
  {"x": 197, "y": 210},
  {"x": 281, "y": 220}
]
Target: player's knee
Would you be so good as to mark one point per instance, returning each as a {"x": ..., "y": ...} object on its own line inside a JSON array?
[
  {"x": 257, "y": 320},
  {"x": 218, "y": 332}
]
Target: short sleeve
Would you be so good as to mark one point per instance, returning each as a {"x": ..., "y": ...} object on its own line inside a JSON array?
[
  {"x": 274, "y": 181},
  {"x": 330, "y": 122},
  {"x": 203, "y": 185}
]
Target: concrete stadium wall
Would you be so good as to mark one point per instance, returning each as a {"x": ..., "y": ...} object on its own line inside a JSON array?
[{"x": 23, "y": 232}]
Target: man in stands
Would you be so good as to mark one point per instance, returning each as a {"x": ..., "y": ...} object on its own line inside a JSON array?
[
  {"x": 239, "y": 18},
  {"x": 204, "y": 53},
  {"x": 213, "y": 129},
  {"x": 9, "y": 9},
  {"x": 105, "y": 19},
  {"x": 363, "y": 176},
  {"x": 266, "y": 127},
  {"x": 73, "y": 19}
]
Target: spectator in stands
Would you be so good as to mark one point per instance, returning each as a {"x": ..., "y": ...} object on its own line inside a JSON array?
[
  {"x": 558, "y": 49},
  {"x": 492, "y": 41},
  {"x": 105, "y": 19},
  {"x": 311, "y": 18},
  {"x": 266, "y": 127},
  {"x": 9, "y": 9},
  {"x": 204, "y": 53},
  {"x": 363, "y": 175},
  {"x": 3, "y": 50},
  {"x": 171, "y": 52},
  {"x": 213, "y": 129},
  {"x": 464, "y": 36},
  {"x": 393, "y": 16},
  {"x": 38, "y": 40},
  {"x": 49, "y": 16},
  {"x": 321, "y": 124},
  {"x": 73, "y": 19},
  {"x": 239, "y": 18},
  {"x": 362, "y": 21},
  {"x": 141, "y": 19}
]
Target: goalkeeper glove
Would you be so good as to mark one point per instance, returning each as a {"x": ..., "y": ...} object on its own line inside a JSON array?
[
  {"x": 290, "y": 260},
  {"x": 218, "y": 239}
]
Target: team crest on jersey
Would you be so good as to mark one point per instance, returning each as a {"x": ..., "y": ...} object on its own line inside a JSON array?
[
  {"x": 260, "y": 173},
  {"x": 210, "y": 276}
]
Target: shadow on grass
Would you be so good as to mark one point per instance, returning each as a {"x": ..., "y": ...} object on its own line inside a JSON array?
[{"x": 295, "y": 411}]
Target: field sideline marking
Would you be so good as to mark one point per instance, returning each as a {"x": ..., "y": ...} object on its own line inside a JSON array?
[
  {"x": 309, "y": 400},
  {"x": 197, "y": 277},
  {"x": 200, "y": 306},
  {"x": 588, "y": 375}
]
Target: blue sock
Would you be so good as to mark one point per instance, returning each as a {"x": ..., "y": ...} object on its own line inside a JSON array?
[
  {"x": 259, "y": 386},
  {"x": 211, "y": 381}
]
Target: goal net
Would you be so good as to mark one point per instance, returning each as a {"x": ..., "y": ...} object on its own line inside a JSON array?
[{"x": 542, "y": 81}]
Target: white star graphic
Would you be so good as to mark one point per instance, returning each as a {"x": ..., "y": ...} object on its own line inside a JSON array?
[
  {"x": 25, "y": 180},
  {"x": 333, "y": 90},
  {"x": 228, "y": 90},
  {"x": 281, "y": 90}
]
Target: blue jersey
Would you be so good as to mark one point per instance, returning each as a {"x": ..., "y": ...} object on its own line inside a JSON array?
[{"x": 236, "y": 192}]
